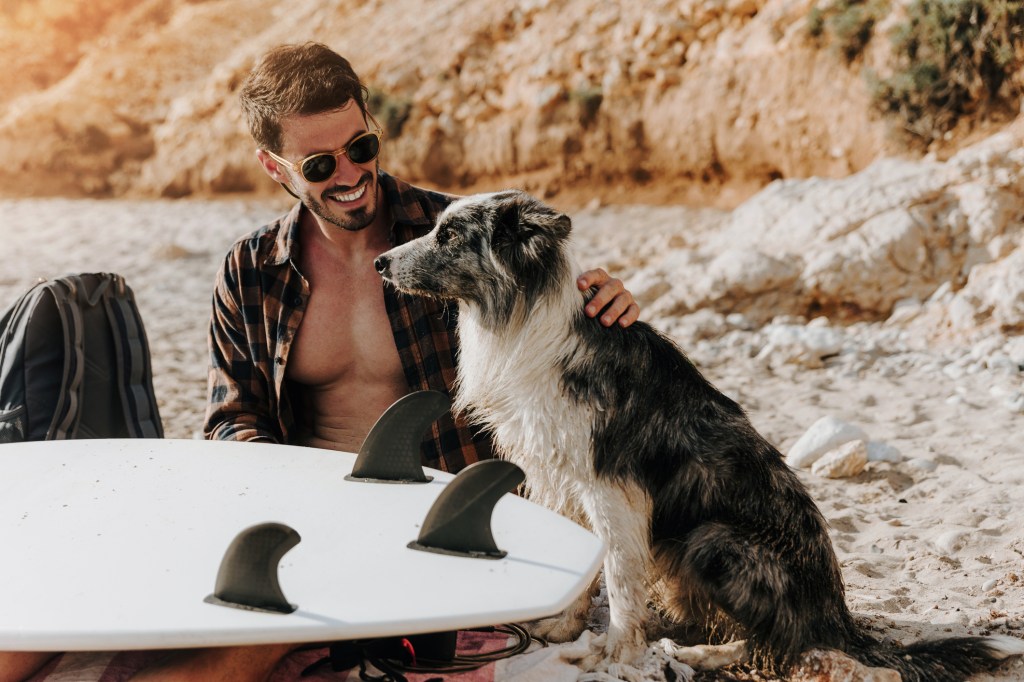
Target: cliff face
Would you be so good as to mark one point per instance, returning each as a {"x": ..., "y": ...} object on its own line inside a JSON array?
[{"x": 699, "y": 101}]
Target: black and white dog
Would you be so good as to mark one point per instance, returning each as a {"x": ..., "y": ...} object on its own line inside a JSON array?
[{"x": 617, "y": 429}]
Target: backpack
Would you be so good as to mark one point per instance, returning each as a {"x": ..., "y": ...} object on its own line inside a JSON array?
[{"x": 74, "y": 363}]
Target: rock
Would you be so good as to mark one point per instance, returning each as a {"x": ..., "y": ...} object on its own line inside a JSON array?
[
  {"x": 951, "y": 541},
  {"x": 849, "y": 459},
  {"x": 805, "y": 346},
  {"x": 922, "y": 464},
  {"x": 833, "y": 666},
  {"x": 1015, "y": 403},
  {"x": 825, "y": 434},
  {"x": 883, "y": 452}
]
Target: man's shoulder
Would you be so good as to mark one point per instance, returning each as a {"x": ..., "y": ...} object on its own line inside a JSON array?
[{"x": 269, "y": 242}]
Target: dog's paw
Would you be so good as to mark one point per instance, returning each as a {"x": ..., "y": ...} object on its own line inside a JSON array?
[
  {"x": 609, "y": 652},
  {"x": 563, "y": 628},
  {"x": 705, "y": 656},
  {"x": 654, "y": 664}
]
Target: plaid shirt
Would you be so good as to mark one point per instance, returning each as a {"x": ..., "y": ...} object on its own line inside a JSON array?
[{"x": 258, "y": 306}]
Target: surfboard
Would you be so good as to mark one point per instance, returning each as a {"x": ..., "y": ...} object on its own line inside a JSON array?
[{"x": 126, "y": 544}]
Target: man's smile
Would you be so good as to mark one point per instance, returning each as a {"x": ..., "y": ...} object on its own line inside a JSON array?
[{"x": 347, "y": 197}]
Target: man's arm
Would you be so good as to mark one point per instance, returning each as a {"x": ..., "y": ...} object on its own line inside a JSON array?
[
  {"x": 612, "y": 300},
  {"x": 238, "y": 404}
]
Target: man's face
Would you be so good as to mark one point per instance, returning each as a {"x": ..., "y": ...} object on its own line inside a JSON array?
[{"x": 347, "y": 199}]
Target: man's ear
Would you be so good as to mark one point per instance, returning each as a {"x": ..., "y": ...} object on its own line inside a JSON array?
[{"x": 271, "y": 167}]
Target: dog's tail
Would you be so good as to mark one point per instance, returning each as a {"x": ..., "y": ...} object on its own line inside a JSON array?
[{"x": 952, "y": 659}]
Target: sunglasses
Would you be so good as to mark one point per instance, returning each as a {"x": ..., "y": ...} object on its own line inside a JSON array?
[{"x": 319, "y": 167}]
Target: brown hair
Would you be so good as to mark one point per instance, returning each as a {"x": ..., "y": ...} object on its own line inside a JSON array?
[{"x": 296, "y": 79}]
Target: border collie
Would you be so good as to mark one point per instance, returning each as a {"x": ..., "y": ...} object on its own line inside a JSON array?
[{"x": 615, "y": 428}]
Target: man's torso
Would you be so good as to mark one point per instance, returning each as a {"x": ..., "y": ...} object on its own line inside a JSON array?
[{"x": 344, "y": 369}]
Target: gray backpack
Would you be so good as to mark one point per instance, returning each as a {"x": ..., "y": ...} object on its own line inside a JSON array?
[{"x": 74, "y": 363}]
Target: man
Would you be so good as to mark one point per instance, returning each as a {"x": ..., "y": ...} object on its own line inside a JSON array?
[{"x": 307, "y": 345}]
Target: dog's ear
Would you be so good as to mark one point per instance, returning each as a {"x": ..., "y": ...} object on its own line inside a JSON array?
[
  {"x": 507, "y": 224},
  {"x": 521, "y": 217}
]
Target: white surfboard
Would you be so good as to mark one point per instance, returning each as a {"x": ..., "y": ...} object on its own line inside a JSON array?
[{"x": 116, "y": 544}]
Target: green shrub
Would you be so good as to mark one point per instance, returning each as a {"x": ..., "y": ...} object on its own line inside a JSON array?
[
  {"x": 953, "y": 58},
  {"x": 587, "y": 102},
  {"x": 847, "y": 24},
  {"x": 390, "y": 110}
]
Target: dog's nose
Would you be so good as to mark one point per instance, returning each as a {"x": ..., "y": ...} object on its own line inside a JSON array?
[{"x": 381, "y": 263}]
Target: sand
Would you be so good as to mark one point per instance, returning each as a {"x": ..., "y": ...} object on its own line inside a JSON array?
[{"x": 931, "y": 545}]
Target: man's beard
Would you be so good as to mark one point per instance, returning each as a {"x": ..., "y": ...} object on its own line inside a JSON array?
[{"x": 354, "y": 220}]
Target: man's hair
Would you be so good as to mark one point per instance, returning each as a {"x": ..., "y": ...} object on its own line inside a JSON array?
[{"x": 296, "y": 79}]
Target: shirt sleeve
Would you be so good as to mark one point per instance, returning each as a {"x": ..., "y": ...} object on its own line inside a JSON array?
[{"x": 238, "y": 394}]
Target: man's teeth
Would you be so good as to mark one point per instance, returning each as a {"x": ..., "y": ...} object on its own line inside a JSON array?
[{"x": 351, "y": 196}]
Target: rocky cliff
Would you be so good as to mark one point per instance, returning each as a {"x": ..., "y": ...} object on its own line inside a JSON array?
[{"x": 697, "y": 101}]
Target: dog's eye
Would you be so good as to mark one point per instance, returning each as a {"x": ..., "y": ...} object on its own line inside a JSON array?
[{"x": 443, "y": 236}]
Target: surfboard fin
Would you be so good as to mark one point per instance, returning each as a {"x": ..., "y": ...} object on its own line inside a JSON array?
[
  {"x": 459, "y": 522},
  {"x": 391, "y": 451},
  {"x": 247, "y": 578}
]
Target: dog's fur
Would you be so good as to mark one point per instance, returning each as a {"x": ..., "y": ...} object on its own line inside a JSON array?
[{"x": 616, "y": 428}]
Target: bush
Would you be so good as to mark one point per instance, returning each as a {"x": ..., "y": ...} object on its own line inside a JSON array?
[
  {"x": 953, "y": 58},
  {"x": 391, "y": 111},
  {"x": 847, "y": 23},
  {"x": 587, "y": 102}
]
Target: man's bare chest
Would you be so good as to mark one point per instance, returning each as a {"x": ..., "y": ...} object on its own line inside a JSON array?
[{"x": 345, "y": 334}]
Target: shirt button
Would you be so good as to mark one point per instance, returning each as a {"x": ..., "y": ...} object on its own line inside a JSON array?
[{"x": 297, "y": 302}]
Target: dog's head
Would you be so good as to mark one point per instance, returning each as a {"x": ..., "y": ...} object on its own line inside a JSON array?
[{"x": 499, "y": 252}]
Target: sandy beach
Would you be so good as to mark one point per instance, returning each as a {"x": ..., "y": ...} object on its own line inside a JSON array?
[{"x": 930, "y": 533}]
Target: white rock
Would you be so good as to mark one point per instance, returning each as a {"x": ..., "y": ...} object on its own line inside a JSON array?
[
  {"x": 951, "y": 541},
  {"x": 1015, "y": 403},
  {"x": 879, "y": 451},
  {"x": 954, "y": 372},
  {"x": 801, "y": 345},
  {"x": 922, "y": 464},
  {"x": 825, "y": 434},
  {"x": 849, "y": 459}
]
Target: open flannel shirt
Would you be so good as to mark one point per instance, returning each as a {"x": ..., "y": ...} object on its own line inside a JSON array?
[{"x": 258, "y": 304}]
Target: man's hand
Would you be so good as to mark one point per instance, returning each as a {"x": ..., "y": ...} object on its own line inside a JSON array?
[{"x": 612, "y": 301}]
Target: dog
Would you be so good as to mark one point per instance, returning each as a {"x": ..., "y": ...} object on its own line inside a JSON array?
[{"x": 617, "y": 429}]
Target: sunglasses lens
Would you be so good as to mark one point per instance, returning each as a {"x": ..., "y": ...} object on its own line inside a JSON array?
[
  {"x": 318, "y": 168},
  {"x": 363, "y": 149}
]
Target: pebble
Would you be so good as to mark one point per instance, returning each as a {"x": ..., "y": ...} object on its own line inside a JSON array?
[
  {"x": 922, "y": 464},
  {"x": 825, "y": 434},
  {"x": 879, "y": 451},
  {"x": 849, "y": 459},
  {"x": 954, "y": 372},
  {"x": 989, "y": 585},
  {"x": 951, "y": 541}
]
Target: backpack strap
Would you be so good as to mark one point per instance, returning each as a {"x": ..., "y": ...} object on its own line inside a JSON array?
[
  {"x": 67, "y": 412},
  {"x": 133, "y": 362}
]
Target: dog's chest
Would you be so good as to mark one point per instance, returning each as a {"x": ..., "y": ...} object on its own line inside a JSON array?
[{"x": 515, "y": 386}]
